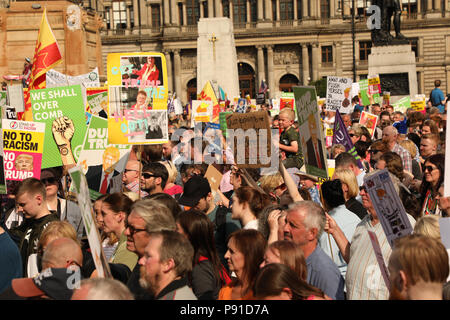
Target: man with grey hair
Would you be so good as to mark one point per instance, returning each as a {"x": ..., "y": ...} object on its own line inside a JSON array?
[
  {"x": 101, "y": 289},
  {"x": 146, "y": 216},
  {"x": 390, "y": 135},
  {"x": 166, "y": 264},
  {"x": 305, "y": 222},
  {"x": 363, "y": 279}
]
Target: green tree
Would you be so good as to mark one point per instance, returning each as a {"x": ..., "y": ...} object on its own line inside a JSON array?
[{"x": 321, "y": 87}]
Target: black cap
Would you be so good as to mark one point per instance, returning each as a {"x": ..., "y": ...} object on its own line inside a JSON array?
[{"x": 195, "y": 188}]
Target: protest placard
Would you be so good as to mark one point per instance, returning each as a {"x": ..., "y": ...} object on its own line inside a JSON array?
[
  {"x": 15, "y": 97},
  {"x": 275, "y": 107},
  {"x": 137, "y": 83},
  {"x": 97, "y": 101},
  {"x": 58, "y": 79},
  {"x": 403, "y": 104},
  {"x": 338, "y": 94},
  {"x": 87, "y": 213},
  {"x": 214, "y": 177},
  {"x": 3, "y": 99},
  {"x": 241, "y": 106},
  {"x": 418, "y": 103},
  {"x": 250, "y": 138},
  {"x": 388, "y": 206},
  {"x": 202, "y": 111},
  {"x": 364, "y": 92},
  {"x": 369, "y": 121},
  {"x": 374, "y": 88},
  {"x": 328, "y": 137},
  {"x": 100, "y": 160},
  {"x": 386, "y": 98},
  {"x": 62, "y": 109},
  {"x": 208, "y": 94},
  {"x": 444, "y": 228},
  {"x": 311, "y": 133},
  {"x": 223, "y": 122},
  {"x": 379, "y": 255},
  {"x": 23, "y": 144}
]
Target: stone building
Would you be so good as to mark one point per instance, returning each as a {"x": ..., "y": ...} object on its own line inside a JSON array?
[
  {"x": 76, "y": 30},
  {"x": 285, "y": 42}
]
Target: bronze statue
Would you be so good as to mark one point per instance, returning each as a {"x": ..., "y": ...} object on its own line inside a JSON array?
[{"x": 390, "y": 11}]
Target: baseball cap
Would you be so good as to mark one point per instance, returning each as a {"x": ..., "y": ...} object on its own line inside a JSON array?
[
  {"x": 52, "y": 282},
  {"x": 195, "y": 188},
  {"x": 307, "y": 176}
]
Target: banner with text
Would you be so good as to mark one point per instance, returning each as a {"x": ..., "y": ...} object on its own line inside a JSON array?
[{"x": 338, "y": 94}]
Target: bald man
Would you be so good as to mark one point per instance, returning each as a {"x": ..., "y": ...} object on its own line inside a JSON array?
[
  {"x": 390, "y": 135},
  {"x": 61, "y": 264},
  {"x": 130, "y": 177}
]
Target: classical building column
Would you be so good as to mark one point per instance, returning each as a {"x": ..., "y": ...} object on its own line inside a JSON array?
[
  {"x": 437, "y": 5},
  {"x": 429, "y": 5},
  {"x": 184, "y": 14},
  {"x": 315, "y": 61},
  {"x": 111, "y": 18},
  {"x": 177, "y": 67},
  {"x": 260, "y": 10},
  {"x": 166, "y": 10},
  {"x": 332, "y": 8},
  {"x": 278, "y": 9},
  {"x": 169, "y": 70},
  {"x": 261, "y": 73},
  {"x": 202, "y": 9},
  {"x": 270, "y": 74},
  {"x": 295, "y": 10},
  {"x": 268, "y": 4},
  {"x": 419, "y": 7},
  {"x": 210, "y": 9},
  {"x": 231, "y": 10},
  {"x": 338, "y": 46},
  {"x": 149, "y": 14},
  {"x": 247, "y": 6},
  {"x": 174, "y": 14},
  {"x": 305, "y": 64},
  {"x": 219, "y": 8},
  {"x": 136, "y": 14},
  {"x": 347, "y": 8}
]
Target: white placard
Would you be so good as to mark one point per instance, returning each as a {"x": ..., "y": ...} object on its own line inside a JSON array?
[
  {"x": 338, "y": 94},
  {"x": 15, "y": 97}
]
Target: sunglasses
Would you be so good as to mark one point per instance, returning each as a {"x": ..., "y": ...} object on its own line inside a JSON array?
[
  {"x": 352, "y": 135},
  {"x": 51, "y": 180},
  {"x": 149, "y": 175},
  {"x": 363, "y": 188},
  {"x": 429, "y": 168}
]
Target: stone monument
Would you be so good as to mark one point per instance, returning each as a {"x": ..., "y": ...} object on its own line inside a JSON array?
[
  {"x": 216, "y": 56},
  {"x": 391, "y": 57}
]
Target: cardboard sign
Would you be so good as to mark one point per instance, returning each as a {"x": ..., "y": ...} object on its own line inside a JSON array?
[
  {"x": 403, "y": 104},
  {"x": 388, "y": 206},
  {"x": 87, "y": 213},
  {"x": 23, "y": 144},
  {"x": 202, "y": 111},
  {"x": 137, "y": 83},
  {"x": 252, "y": 141},
  {"x": 369, "y": 121},
  {"x": 15, "y": 97},
  {"x": 379, "y": 255},
  {"x": 98, "y": 157},
  {"x": 58, "y": 79},
  {"x": 62, "y": 109},
  {"x": 338, "y": 94},
  {"x": 311, "y": 133},
  {"x": 214, "y": 177}
]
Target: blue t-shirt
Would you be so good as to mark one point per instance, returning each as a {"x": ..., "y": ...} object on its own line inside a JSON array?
[
  {"x": 437, "y": 96},
  {"x": 324, "y": 274},
  {"x": 358, "y": 107}
]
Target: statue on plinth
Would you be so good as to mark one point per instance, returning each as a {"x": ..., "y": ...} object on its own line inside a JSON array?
[{"x": 390, "y": 11}]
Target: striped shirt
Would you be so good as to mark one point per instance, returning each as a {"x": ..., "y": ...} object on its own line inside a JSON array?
[
  {"x": 405, "y": 155},
  {"x": 363, "y": 279}
]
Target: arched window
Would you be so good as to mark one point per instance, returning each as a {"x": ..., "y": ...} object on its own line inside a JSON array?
[
  {"x": 246, "y": 79},
  {"x": 192, "y": 89},
  {"x": 192, "y": 11},
  {"x": 287, "y": 82}
]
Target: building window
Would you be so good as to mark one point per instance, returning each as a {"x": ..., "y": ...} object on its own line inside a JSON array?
[
  {"x": 239, "y": 11},
  {"x": 253, "y": 10},
  {"x": 299, "y": 9},
  {"x": 327, "y": 55},
  {"x": 156, "y": 16},
  {"x": 192, "y": 11},
  {"x": 226, "y": 8},
  {"x": 286, "y": 10},
  {"x": 414, "y": 46},
  {"x": 274, "y": 10},
  {"x": 362, "y": 6},
  {"x": 119, "y": 14},
  {"x": 205, "y": 9},
  {"x": 364, "y": 50},
  {"x": 410, "y": 8},
  {"x": 107, "y": 18},
  {"x": 325, "y": 9},
  {"x": 180, "y": 13}
]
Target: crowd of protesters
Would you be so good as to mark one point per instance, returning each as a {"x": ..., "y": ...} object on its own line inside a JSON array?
[{"x": 170, "y": 235}]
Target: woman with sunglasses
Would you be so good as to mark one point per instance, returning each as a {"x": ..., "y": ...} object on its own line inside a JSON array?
[
  {"x": 66, "y": 210},
  {"x": 433, "y": 178}
]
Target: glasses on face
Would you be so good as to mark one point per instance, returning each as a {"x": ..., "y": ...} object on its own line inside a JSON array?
[
  {"x": 51, "y": 180},
  {"x": 429, "y": 169},
  {"x": 149, "y": 175},
  {"x": 352, "y": 135},
  {"x": 132, "y": 229},
  {"x": 128, "y": 170}
]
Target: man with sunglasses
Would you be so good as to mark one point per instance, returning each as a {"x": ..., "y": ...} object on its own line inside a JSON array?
[
  {"x": 131, "y": 178},
  {"x": 154, "y": 178}
]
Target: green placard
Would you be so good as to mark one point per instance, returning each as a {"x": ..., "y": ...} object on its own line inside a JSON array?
[
  {"x": 223, "y": 122},
  {"x": 62, "y": 109}
]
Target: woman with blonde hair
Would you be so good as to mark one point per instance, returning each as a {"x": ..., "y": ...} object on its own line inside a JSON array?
[
  {"x": 428, "y": 226},
  {"x": 171, "y": 188},
  {"x": 412, "y": 149},
  {"x": 350, "y": 189}
]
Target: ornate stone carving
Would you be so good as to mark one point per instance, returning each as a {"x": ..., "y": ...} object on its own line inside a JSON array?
[
  {"x": 188, "y": 62},
  {"x": 286, "y": 56},
  {"x": 248, "y": 54},
  {"x": 396, "y": 83}
]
